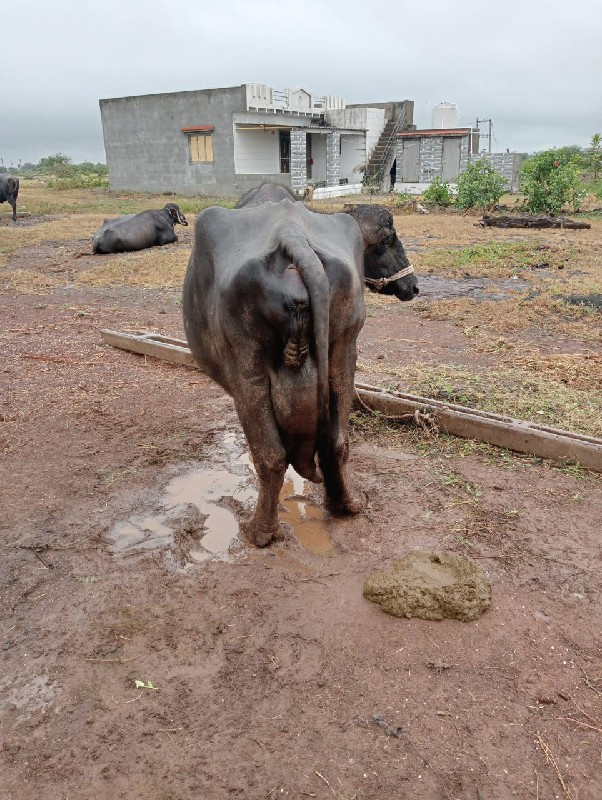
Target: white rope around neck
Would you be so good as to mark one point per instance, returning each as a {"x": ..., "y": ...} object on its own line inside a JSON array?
[{"x": 380, "y": 283}]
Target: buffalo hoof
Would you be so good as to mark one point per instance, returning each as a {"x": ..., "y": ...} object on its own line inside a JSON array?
[
  {"x": 262, "y": 535},
  {"x": 348, "y": 506}
]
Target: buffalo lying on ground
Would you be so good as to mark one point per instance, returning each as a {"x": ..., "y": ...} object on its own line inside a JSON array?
[
  {"x": 273, "y": 303},
  {"x": 139, "y": 231},
  {"x": 9, "y": 191}
]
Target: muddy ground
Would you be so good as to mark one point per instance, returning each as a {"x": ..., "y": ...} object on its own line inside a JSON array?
[{"x": 266, "y": 673}]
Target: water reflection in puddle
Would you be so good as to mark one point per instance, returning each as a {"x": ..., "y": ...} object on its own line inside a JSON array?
[
  {"x": 194, "y": 523},
  {"x": 308, "y": 520}
]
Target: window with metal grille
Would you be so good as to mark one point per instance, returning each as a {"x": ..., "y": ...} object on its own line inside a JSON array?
[
  {"x": 201, "y": 147},
  {"x": 285, "y": 151}
]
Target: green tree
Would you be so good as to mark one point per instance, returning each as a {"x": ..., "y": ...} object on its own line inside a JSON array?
[
  {"x": 595, "y": 155},
  {"x": 480, "y": 186},
  {"x": 58, "y": 164},
  {"x": 552, "y": 179}
]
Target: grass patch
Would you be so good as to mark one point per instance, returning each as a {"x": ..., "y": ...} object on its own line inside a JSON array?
[
  {"x": 26, "y": 281},
  {"x": 516, "y": 391},
  {"x": 155, "y": 268},
  {"x": 492, "y": 259},
  {"x": 546, "y": 313},
  {"x": 56, "y": 230},
  {"x": 38, "y": 198}
]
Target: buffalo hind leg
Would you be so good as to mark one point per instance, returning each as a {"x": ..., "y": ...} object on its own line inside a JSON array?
[
  {"x": 333, "y": 457},
  {"x": 269, "y": 459}
]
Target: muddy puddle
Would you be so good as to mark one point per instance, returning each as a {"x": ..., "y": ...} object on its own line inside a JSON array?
[{"x": 198, "y": 515}]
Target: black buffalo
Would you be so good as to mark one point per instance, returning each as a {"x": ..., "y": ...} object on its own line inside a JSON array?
[
  {"x": 273, "y": 303},
  {"x": 387, "y": 268},
  {"x": 9, "y": 191},
  {"x": 139, "y": 231}
]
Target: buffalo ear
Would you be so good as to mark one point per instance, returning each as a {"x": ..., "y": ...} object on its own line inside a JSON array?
[
  {"x": 11, "y": 185},
  {"x": 370, "y": 232}
]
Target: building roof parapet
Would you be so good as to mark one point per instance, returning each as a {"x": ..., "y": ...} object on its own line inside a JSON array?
[
  {"x": 297, "y": 101},
  {"x": 416, "y": 134}
]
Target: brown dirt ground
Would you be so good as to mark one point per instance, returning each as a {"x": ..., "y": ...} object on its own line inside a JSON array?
[{"x": 274, "y": 676}]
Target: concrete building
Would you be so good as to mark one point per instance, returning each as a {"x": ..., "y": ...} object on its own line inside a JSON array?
[
  {"x": 226, "y": 141},
  {"x": 423, "y": 155}
]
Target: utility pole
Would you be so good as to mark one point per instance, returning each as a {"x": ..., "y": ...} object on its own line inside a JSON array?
[{"x": 488, "y": 135}]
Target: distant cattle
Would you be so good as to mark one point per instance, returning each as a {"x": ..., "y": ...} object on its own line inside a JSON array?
[
  {"x": 139, "y": 231},
  {"x": 273, "y": 303},
  {"x": 9, "y": 191}
]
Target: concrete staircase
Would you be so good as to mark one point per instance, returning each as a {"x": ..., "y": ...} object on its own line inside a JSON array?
[
  {"x": 378, "y": 154},
  {"x": 376, "y": 176}
]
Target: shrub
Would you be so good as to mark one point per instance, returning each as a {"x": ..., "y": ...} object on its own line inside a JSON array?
[
  {"x": 551, "y": 179},
  {"x": 438, "y": 194},
  {"x": 82, "y": 181},
  {"x": 403, "y": 201},
  {"x": 480, "y": 186}
]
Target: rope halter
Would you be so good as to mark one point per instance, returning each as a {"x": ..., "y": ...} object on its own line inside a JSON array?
[{"x": 380, "y": 283}]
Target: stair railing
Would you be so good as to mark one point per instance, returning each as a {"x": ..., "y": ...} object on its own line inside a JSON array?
[{"x": 376, "y": 176}]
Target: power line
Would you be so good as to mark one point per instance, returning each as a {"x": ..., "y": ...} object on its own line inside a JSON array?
[{"x": 486, "y": 135}]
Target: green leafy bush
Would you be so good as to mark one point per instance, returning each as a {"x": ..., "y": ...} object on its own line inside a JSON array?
[
  {"x": 550, "y": 180},
  {"x": 438, "y": 194},
  {"x": 81, "y": 181},
  {"x": 480, "y": 186}
]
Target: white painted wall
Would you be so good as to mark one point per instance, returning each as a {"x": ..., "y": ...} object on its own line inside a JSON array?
[
  {"x": 372, "y": 120},
  {"x": 375, "y": 123},
  {"x": 338, "y": 191},
  {"x": 353, "y": 154},
  {"x": 256, "y": 152}
]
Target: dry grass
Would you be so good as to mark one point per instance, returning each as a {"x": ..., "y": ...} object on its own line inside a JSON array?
[
  {"x": 534, "y": 392},
  {"x": 582, "y": 371},
  {"x": 36, "y": 198},
  {"x": 63, "y": 229},
  {"x": 157, "y": 267},
  {"x": 521, "y": 313},
  {"x": 25, "y": 281}
]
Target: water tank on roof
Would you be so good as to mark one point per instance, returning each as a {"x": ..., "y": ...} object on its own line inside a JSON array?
[{"x": 446, "y": 115}]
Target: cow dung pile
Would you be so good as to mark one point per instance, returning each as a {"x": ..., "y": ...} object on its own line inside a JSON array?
[{"x": 431, "y": 585}]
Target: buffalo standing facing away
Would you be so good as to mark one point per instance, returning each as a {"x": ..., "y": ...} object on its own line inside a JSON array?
[
  {"x": 387, "y": 268},
  {"x": 273, "y": 303},
  {"x": 138, "y": 231},
  {"x": 9, "y": 191}
]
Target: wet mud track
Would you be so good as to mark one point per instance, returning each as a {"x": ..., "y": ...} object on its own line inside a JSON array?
[{"x": 270, "y": 675}]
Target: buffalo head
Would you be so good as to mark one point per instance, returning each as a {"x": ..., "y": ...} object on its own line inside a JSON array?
[
  {"x": 174, "y": 212},
  {"x": 387, "y": 268}
]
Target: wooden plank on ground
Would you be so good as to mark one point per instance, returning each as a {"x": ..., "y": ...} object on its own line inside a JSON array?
[
  {"x": 526, "y": 221},
  {"x": 507, "y": 432},
  {"x": 470, "y": 423},
  {"x": 152, "y": 344}
]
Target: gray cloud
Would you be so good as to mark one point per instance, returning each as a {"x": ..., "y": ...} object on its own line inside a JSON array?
[{"x": 534, "y": 68}]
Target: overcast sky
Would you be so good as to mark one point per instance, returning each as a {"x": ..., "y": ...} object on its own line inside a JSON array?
[{"x": 534, "y": 68}]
